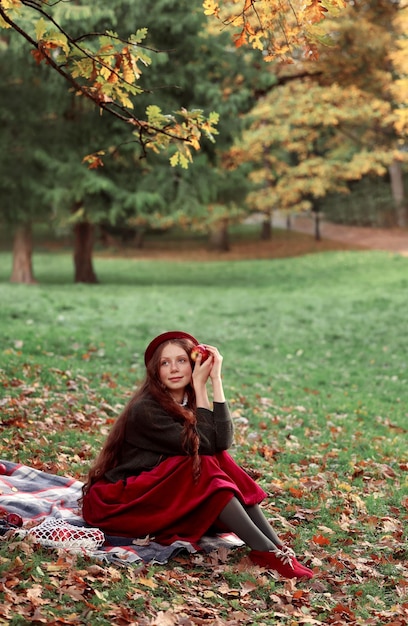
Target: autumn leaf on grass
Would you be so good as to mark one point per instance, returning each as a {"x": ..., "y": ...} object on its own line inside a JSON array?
[
  {"x": 320, "y": 540},
  {"x": 147, "y": 582},
  {"x": 34, "y": 595},
  {"x": 345, "y": 612},
  {"x": 247, "y": 587},
  {"x": 296, "y": 493}
]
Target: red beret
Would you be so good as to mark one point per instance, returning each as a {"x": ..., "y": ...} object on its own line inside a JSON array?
[{"x": 171, "y": 334}]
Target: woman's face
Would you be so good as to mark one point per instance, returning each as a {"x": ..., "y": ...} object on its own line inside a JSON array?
[{"x": 175, "y": 370}]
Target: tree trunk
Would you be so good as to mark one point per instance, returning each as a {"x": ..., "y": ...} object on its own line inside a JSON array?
[
  {"x": 317, "y": 225},
  {"x": 398, "y": 193},
  {"x": 83, "y": 245},
  {"x": 266, "y": 228},
  {"x": 219, "y": 236},
  {"x": 22, "y": 271},
  {"x": 139, "y": 238}
]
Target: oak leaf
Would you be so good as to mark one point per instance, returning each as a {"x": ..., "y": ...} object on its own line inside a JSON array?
[{"x": 320, "y": 540}]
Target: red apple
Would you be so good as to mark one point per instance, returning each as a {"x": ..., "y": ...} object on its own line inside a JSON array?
[
  {"x": 3, "y": 469},
  {"x": 14, "y": 519},
  {"x": 200, "y": 349}
]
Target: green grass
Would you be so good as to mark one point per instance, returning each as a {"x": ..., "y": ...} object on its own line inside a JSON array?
[{"x": 315, "y": 369}]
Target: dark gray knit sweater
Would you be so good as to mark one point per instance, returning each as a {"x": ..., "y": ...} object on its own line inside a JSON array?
[{"x": 152, "y": 435}]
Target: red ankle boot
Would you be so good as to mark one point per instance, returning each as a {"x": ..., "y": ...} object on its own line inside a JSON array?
[
  {"x": 290, "y": 553},
  {"x": 285, "y": 564}
]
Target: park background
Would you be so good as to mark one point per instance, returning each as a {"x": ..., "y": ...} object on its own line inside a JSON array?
[{"x": 96, "y": 261}]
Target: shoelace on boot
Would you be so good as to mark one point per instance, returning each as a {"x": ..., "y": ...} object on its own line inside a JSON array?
[
  {"x": 288, "y": 551},
  {"x": 285, "y": 557}
]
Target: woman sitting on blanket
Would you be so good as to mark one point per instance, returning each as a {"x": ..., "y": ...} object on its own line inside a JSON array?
[{"x": 164, "y": 470}]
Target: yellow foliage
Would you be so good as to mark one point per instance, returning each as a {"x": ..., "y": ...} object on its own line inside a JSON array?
[
  {"x": 11, "y": 4},
  {"x": 130, "y": 70},
  {"x": 401, "y": 122},
  {"x": 311, "y": 136},
  {"x": 106, "y": 72},
  {"x": 211, "y": 8},
  {"x": 125, "y": 100},
  {"x": 40, "y": 28},
  {"x": 277, "y": 27},
  {"x": 110, "y": 76}
]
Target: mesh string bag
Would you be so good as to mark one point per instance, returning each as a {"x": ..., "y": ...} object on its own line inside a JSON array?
[{"x": 57, "y": 533}]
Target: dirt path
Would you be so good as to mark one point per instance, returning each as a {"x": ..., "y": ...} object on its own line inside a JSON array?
[
  {"x": 393, "y": 239},
  {"x": 296, "y": 241}
]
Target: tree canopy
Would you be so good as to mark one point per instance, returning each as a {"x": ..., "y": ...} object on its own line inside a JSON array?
[
  {"x": 194, "y": 68},
  {"x": 327, "y": 109},
  {"x": 280, "y": 29},
  {"x": 334, "y": 119},
  {"x": 106, "y": 66}
]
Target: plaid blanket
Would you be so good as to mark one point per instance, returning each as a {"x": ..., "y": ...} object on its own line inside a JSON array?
[{"x": 35, "y": 495}]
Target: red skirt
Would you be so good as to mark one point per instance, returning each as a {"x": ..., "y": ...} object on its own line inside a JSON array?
[{"x": 166, "y": 504}]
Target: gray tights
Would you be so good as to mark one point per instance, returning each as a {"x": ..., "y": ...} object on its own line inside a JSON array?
[{"x": 250, "y": 524}]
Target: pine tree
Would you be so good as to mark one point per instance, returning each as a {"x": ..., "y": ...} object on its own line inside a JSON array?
[
  {"x": 195, "y": 68},
  {"x": 27, "y": 116},
  {"x": 190, "y": 68}
]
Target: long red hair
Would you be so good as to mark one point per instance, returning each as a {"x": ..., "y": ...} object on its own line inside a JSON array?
[{"x": 109, "y": 455}]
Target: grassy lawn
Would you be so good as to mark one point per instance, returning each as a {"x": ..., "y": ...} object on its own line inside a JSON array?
[{"x": 315, "y": 368}]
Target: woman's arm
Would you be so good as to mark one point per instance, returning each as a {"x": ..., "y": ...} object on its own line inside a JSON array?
[
  {"x": 215, "y": 427},
  {"x": 203, "y": 370}
]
